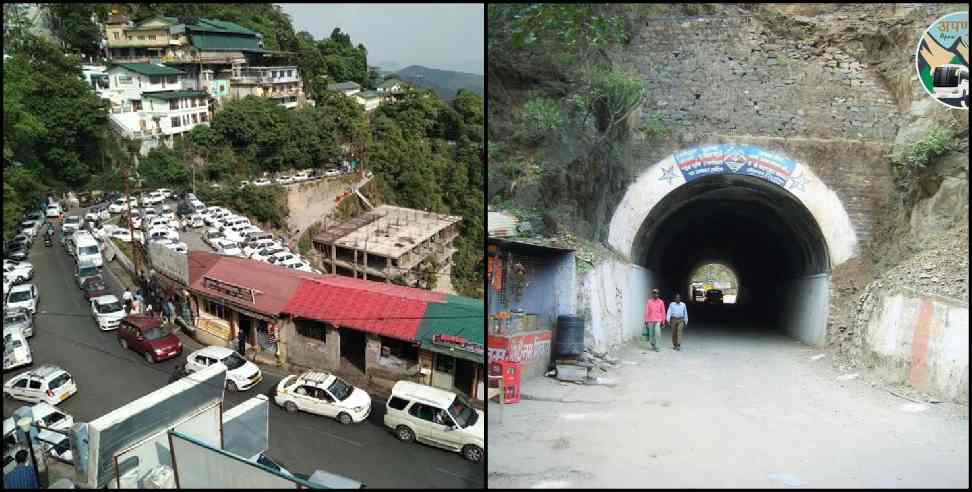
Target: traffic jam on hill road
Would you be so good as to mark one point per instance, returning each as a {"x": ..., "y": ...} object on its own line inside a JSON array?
[{"x": 80, "y": 342}]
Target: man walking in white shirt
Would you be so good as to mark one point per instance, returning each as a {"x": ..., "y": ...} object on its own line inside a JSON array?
[{"x": 677, "y": 318}]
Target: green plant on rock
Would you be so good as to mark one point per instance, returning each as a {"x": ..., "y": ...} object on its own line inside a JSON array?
[
  {"x": 538, "y": 119},
  {"x": 613, "y": 95},
  {"x": 654, "y": 126},
  {"x": 910, "y": 163}
]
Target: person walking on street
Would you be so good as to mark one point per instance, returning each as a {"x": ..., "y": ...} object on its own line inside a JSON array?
[
  {"x": 170, "y": 307},
  {"x": 127, "y": 299},
  {"x": 677, "y": 318},
  {"x": 137, "y": 306},
  {"x": 165, "y": 312},
  {"x": 654, "y": 317}
]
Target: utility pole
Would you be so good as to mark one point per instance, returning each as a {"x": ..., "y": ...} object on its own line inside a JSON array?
[{"x": 131, "y": 232}]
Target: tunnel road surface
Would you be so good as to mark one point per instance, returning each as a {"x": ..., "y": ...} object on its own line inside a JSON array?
[{"x": 738, "y": 407}]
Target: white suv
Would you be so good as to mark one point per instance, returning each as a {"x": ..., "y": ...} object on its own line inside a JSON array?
[
  {"x": 48, "y": 383},
  {"x": 436, "y": 417},
  {"x": 22, "y": 296},
  {"x": 324, "y": 394}
]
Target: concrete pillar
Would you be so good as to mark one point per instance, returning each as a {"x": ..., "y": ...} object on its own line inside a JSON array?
[
  {"x": 372, "y": 351},
  {"x": 286, "y": 332},
  {"x": 388, "y": 272},
  {"x": 332, "y": 348},
  {"x": 333, "y": 258},
  {"x": 355, "y": 263},
  {"x": 365, "y": 271}
]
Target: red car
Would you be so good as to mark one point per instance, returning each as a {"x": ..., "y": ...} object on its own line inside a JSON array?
[
  {"x": 148, "y": 336},
  {"x": 94, "y": 287}
]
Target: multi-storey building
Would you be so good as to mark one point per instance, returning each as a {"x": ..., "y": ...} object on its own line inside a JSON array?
[
  {"x": 149, "y": 103},
  {"x": 390, "y": 242}
]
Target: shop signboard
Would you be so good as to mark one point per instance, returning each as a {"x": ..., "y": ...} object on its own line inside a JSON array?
[
  {"x": 458, "y": 342},
  {"x": 522, "y": 347}
]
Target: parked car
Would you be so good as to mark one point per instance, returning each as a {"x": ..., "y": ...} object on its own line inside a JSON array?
[
  {"x": 436, "y": 417},
  {"x": 121, "y": 234},
  {"x": 281, "y": 257},
  {"x": 71, "y": 223},
  {"x": 258, "y": 245},
  {"x": 22, "y": 240},
  {"x": 118, "y": 206},
  {"x": 48, "y": 383},
  {"x": 227, "y": 247},
  {"x": 196, "y": 221},
  {"x": 107, "y": 311},
  {"x": 53, "y": 211},
  {"x": 262, "y": 182},
  {"x": 86, "y": 271},
  {"x": 150, "y": 337},
  {"x": 16, "y": 350},
  {"x": 713, "y": 296},
  {"x": 265, "y": 254},
  {"x": 19, "y": 319},
  {"x": 183, "y": 209},
  {"x": 284, "y": 180},
  {"x": 22, "y": 296},
  {"x": 18, "y": 271},
  {"x": 94, "y": 287},
  {"x": 18, "y": 252},
  {"x": 153, "y": 198},
  {"x": 177, "y": 246},
  {"x": 211, "y": 235},
  {"x": 166, "y": 193},
  {"x": 241, "y": 374},
  {"x": 30, "y": 227},
  {"x": 323, "y": 394},
  {"x": 332, "y": 172}
]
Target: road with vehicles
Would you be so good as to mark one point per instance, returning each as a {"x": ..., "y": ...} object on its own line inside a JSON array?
[{"x": 109, "y": 377}]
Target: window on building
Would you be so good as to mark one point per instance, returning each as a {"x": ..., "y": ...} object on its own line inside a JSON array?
[
  {"x": 218, "y": 310},
  {"x": 195, "y": 102},
  {"x": 117, "y": 36},
  {"x": 141, "y": 37},
  {"x": 203, "y": 116},
  {"x": 155, "y": 80},
  {"x": 136, "y": 105},
  {"x": 174, "y": 104},
  {"x": 172, "y": 79},
  {"x": 185, "y": 119},
  {"x": 290, "y": 73},
  {"x": 311, "y": 329},
  {"x": 175, "y": 122},
  {"x": 398, "y": 348},
  {"x": 123, "y": 80},
  {"x": 195, "y": 118},
  {"x": 152, "y": 37}
]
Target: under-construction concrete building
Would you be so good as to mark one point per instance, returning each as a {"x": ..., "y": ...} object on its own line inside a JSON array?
[{"x": 389, "y": 241}]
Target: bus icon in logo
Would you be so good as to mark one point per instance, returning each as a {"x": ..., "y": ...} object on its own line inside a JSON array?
[{"x": 942, "y": 60}]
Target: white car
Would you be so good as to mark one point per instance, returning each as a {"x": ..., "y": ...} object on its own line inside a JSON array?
[
  {"x": 16, "y": 350},
  {"x": 211, "y": 235},
  {"x": 121, "y": 234},
  {"x": 49, "y": 416},
  {"x": 284, "y": 180},
  {"x": 30, "y": 227},
  {"x": 436, "y": 417},
  {"x": 261, "y": 244},
  {"x": 166, "y": 193},
  {"x": 18, "y": 272},
  {"x": 196, "y": 221},
  {"x": 177, "y": 246},
  {"x": 47, "y": 383},
  {"x": 107, "y": 311},
  {"x": 227, "y": 247},
  {"x": 241, "y": 374},
  {"x": 136, "y": 221},
  {"x": 153, "y": 198},
  {"x": 118, "y": 206},
  {"x": 332, "y": 172},
  {"x": 262, "y": 182},
  {"x": 23, "y": 296},
  {"x": 281, "y": 257},
  {"x": 324, "y": 394},
  {"x": 92, "y": 217},
  {"x": 265, "y": 254},
  {"x": 53, "y": 211},
  {"x": 293, "y": 263},
  {"x": 71, "y": 223}
]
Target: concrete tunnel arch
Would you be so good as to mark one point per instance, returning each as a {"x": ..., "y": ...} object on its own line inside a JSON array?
[{"x": 777, "y": 225}]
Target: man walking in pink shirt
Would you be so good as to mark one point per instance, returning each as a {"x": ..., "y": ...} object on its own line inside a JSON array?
[{"x": 654, "y": 317}]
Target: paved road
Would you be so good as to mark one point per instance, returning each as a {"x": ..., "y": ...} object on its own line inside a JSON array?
[
  {"x": 109, "y": 377},
  {"x": 739, "y": 407}
]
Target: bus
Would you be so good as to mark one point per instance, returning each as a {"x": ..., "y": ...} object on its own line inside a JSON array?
[{"x": 951, "y": 81}]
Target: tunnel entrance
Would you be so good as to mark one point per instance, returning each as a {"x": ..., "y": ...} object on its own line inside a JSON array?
[
  {"x": 767, "y": 235},
  {"x": 713, "y": 283}
]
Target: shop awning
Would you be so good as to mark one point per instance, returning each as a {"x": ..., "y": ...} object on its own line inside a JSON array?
[{"x": 455, "y": 328}]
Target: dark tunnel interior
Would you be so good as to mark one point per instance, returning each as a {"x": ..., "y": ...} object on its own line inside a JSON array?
[{"x": 756, "y": 228}]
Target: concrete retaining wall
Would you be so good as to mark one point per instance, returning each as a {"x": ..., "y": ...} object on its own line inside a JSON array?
[
  {"x": 805, "y": 305},
  {"x": 922, "y": 341},
  {"x": 310, "y": 201},
  {"x": 613, "y": 300}
]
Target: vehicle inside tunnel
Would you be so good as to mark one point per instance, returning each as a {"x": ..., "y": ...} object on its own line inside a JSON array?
[{"x": 761, "y": 232}]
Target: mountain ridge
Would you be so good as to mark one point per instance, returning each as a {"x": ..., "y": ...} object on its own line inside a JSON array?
[{"x": 445, "y": 83}]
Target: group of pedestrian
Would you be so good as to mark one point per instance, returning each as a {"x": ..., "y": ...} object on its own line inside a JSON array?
[{"x": 676, "y": 317}]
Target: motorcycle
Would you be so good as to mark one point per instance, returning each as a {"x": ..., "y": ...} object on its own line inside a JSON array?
[{"x": 47, "y": 240}]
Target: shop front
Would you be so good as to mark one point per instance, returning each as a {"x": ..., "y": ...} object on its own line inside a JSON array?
[{"x": 451, "y": 336}]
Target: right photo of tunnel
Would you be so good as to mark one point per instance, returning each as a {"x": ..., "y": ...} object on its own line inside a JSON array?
[{"x": 727, "y": 246}]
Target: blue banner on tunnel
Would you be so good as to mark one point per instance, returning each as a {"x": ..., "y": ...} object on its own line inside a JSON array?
[{"x": 736, "y": 159}]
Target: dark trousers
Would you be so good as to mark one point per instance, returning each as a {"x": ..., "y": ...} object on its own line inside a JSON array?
[{"x": 677, "y": 325}]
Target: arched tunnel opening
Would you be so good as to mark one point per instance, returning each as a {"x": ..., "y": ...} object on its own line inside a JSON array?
[{"x": 760, "y": 231}]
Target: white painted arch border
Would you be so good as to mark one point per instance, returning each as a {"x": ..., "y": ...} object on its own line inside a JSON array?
[{"x": 654, "y": 183}]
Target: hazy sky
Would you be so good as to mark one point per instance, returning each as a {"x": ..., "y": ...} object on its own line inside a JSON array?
[{"x": 445, "y": 36}]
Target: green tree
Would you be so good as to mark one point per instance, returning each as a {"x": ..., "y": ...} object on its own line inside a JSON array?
[
  {"x": 73, "y": 24},
  {"x": 164, "y": 168}
]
